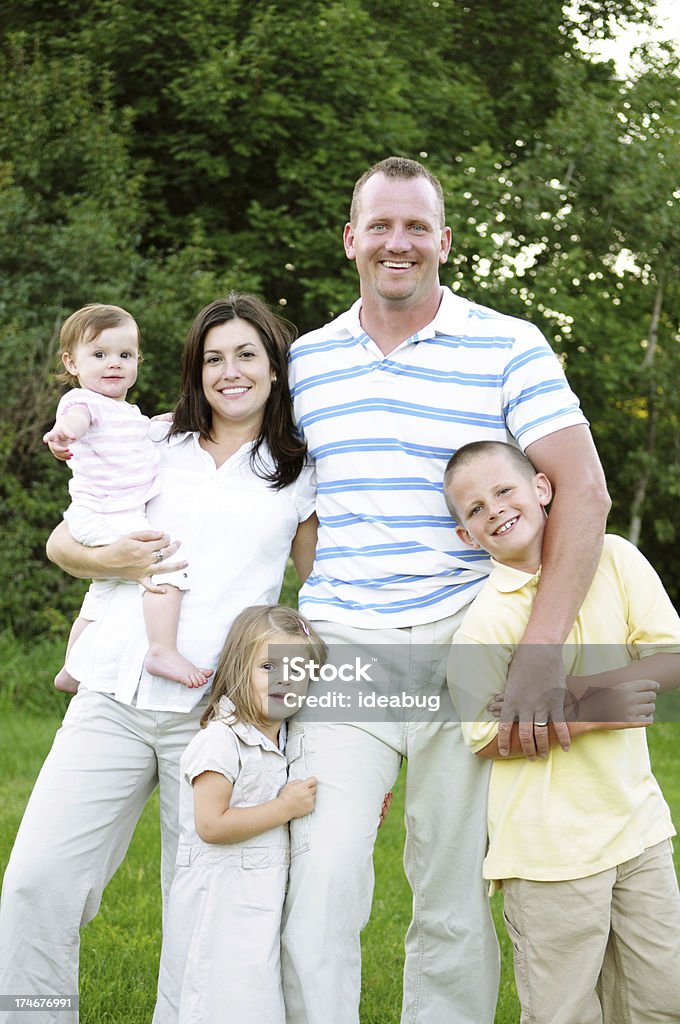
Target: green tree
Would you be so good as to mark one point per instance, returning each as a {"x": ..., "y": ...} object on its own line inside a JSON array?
[{"x": 590, "y": 235}]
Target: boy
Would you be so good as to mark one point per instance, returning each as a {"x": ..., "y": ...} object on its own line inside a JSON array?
[{"x": 579, "y": 841}]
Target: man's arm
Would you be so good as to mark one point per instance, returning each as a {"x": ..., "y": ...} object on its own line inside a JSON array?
[
  {"x": 571, "y": 550},
  {"x": 133, "y": 557}
]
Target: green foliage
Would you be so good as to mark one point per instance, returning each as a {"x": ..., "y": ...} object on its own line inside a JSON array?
[
  {"x": 157, "y": 155},
  {"x": 27, "y": 675}
]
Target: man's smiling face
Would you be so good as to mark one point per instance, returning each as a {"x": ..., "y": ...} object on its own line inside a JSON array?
[{"x": 398, "y": 240}]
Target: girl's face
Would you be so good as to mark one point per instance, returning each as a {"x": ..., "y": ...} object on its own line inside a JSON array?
[
  {"x": 108, "y": 363},
  {"x": 278, "y": 697},
  {"x": 237, "y": 375}
]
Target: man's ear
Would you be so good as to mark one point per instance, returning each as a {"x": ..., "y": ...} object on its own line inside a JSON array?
[
  {"x": 445, "y": 245},
  {"x": 543, "y": 489},
  {"x": 348, "y": 241},
  {"x": 467, "y": 538}
]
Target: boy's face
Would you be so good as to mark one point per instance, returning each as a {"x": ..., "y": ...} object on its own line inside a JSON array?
[{"x": 501, "y": 509}]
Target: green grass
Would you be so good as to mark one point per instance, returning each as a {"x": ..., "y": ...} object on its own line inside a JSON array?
[{"x": 120, "y": 947}]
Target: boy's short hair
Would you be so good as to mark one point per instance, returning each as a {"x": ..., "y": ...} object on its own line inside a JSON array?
[
  {"x": 85, "y": 325},
  {"x": 474, "y": 450}
]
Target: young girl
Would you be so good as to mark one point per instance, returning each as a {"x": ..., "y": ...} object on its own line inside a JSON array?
[
  {"x": 221, "y": 949},
  {"x": 115, "y": 471}
]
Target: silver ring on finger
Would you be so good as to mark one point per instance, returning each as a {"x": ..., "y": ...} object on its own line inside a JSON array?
[
  {"x": 540, "y": 725},
  {"x": 159, "y": 556}
]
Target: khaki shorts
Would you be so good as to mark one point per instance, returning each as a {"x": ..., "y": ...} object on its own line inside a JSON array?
[{"x": 599, "y": 950}]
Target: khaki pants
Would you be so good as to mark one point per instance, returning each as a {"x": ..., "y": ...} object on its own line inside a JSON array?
[
  {"x": 106, "y": 760},
  {"x": 599, "y": 950},
  {"x": 451, "y": 968}
]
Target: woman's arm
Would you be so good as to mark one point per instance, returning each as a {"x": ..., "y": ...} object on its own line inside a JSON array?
[
  {"x": 217, "y": 822},
  {"x": 304, "y": 546},
  {"x": 133, "y": 557}
]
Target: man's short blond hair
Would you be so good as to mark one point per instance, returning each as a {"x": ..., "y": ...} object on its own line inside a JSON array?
[{"x": 397, "y": 167}]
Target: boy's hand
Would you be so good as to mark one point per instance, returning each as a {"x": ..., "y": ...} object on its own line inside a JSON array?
[
  {"x": 299, "y": 797},
  {"x": 58, "y": 440},
  {"x": 534, "y": 696},
  {"x": 628, "y": 703}
]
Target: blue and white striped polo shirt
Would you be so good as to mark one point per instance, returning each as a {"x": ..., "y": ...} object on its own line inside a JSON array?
[{"x": 381, "y": 430}]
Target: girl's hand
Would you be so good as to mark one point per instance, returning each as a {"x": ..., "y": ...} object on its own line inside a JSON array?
[
  {"x": 299, "y": 797},
  {"x": 58, "y": 440},
  {"x": 386, "y": 804}
]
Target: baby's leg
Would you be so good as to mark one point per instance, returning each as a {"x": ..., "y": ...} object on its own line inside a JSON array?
[
  {"x": 63, "y": 680},
  {"x": 161, "y": 616}
]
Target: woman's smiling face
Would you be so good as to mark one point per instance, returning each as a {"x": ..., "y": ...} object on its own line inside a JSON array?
[{"x": 237, "y": 375}]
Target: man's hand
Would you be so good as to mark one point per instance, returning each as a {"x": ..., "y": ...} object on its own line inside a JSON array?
[{"x": 534, "y": 696}]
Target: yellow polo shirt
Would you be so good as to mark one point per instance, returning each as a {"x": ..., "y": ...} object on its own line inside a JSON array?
[{"x": 598, "y": 805}]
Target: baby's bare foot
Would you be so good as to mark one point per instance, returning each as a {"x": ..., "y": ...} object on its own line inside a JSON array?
[
  {"x": 65, "y": 682},
  {"x": 166, "y": 662}
]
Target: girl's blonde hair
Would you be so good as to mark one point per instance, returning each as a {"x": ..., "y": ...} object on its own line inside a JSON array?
[
  {"x": 251, "y": 628},
  {"x": 85, "y": 325}
]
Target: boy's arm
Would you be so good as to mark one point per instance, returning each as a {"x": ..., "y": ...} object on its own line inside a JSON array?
[
  {"x": 664, "y": 668},
  {"x": 635, "y": 706},
  {"x": 68, "y": 428},
  {"x": 571, "y": 550},
  {"x": 491, "y": 751},
  {"x": 217, "y": 822}
]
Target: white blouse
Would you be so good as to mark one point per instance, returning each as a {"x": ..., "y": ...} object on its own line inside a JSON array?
[{"x": 236, "y": 532}]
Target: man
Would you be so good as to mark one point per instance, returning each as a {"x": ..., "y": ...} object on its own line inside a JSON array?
[{"x": 384, "y": 394}]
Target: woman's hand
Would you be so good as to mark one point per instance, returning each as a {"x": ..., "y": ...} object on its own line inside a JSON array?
[
  {"x": 135, "y": 557},
  {"x": 139, "y": 556}
]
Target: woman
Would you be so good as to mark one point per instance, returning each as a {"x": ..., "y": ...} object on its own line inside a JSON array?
[{"x": 235, "y": 489}]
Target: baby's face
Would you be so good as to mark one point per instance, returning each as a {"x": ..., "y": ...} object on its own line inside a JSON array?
[
  {"x": 501, "y": 509},
  {"x": 108, "y": 363}
]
